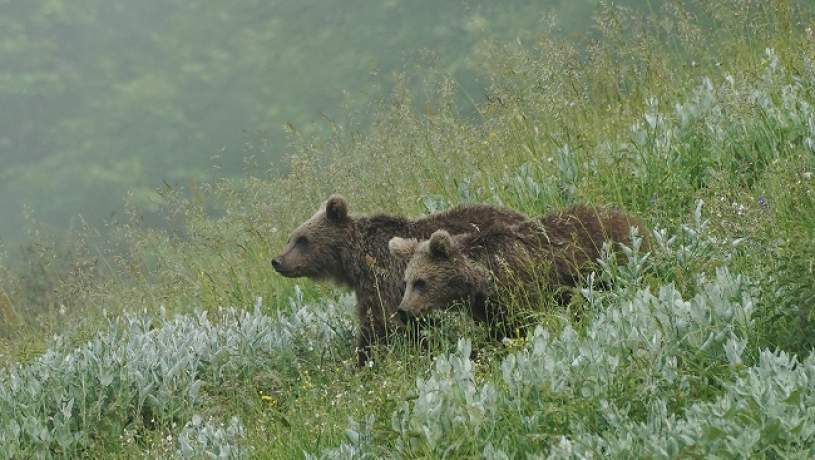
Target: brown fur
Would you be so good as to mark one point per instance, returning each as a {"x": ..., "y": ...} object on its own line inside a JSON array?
[
  {"x": 553, "y": 251},
  {"x": 353, "y": 251}
]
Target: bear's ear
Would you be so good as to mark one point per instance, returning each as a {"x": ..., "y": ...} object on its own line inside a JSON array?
[
  {"x": 441, "y": 244},
  {"x": 402, "y": 247},
  {"x": 336, "y": 208}
]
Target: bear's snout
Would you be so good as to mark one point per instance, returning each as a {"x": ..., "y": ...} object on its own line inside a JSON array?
[
  {"x": 276, "y": 263},
  {"x": 406, "y": 316},
  {"x": 280, "y": 267}
]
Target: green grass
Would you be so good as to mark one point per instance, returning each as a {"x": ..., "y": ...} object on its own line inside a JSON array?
[{"x": 701, "y": 348}]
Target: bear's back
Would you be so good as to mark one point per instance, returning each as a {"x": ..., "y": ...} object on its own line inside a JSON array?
[{"x": 569, "y": 241}]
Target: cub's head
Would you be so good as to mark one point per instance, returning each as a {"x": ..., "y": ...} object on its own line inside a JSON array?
[
  {"x": 313, "y": 249},
  {"x": 435, "y": 276}
]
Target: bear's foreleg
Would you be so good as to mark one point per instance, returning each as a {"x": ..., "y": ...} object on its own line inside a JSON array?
[{"x": 372, "y": 329}]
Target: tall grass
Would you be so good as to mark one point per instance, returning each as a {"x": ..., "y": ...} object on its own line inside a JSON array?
[{"x": 699, "y": 120}]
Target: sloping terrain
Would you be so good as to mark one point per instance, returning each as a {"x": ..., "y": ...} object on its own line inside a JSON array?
[{"x": 186, "y": 343}]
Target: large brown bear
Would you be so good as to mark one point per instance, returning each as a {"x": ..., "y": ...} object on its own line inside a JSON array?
[
  {"x": 353, "y": 251},
  {"x": 491, "y": 268}
]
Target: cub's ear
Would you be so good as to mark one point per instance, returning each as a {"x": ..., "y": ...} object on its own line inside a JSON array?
[
  {"x": 402, "y": 247},
  {"x": 441, "y": 244},
  {"x": 336, "y": 208}
]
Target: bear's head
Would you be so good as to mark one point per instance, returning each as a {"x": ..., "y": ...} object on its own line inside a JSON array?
[
  {"x": 437, "y": 274},
  {"x": 313, "y": 249}
]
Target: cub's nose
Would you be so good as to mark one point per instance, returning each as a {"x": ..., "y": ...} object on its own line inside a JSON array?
[
  {"x": 276, "y": 263},
  {"x": 405, "y": 316}
]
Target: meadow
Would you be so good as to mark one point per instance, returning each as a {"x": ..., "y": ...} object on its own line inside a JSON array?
[{"x": 182, "y": 342}]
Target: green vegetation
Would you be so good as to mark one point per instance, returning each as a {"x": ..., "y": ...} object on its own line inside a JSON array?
[{"x": 179, "y": 340}]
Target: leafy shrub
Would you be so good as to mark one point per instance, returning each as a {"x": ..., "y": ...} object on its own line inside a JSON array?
[
  {"x": 210, "y": 440},
  {"x": 765, "y": 410},
  {"x": 449, "y": 408},
  {"x": 145, "y": 373}
]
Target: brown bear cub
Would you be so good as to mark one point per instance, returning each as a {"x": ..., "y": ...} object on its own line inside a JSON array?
[
  {"x": 490, "y": 268},
  {"x": 353, "y": 251}
]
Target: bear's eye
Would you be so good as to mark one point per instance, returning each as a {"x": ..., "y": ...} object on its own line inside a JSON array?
[
  {"x": 301, "y": 241},
  {"x": 419, "y": 284}
]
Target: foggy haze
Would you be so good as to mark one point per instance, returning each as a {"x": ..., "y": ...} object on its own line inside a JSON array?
[{"x": 103, "y": 97}]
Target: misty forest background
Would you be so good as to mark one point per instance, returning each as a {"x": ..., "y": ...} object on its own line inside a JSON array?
[
  {"x": 154, "y": 155},
  {"x": 101, "y": 98}
]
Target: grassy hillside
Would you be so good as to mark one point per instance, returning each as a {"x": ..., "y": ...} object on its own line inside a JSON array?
[{"x": 185, "y": 343}]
